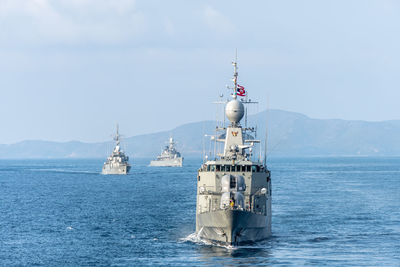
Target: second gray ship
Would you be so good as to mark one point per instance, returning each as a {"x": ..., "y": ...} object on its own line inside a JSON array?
[{"x": 169, "y": 157}]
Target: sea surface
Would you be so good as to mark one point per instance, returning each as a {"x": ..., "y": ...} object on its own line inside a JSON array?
[{"x": 326, "y": 212}]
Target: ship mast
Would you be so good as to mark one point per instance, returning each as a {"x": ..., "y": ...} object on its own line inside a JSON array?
[
  {"x": 116, "y": 138},
  {"x": 235, "y": 76}
]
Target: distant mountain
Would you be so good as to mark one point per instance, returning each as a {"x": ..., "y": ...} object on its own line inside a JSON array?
[{"x": 289, "y": 134}]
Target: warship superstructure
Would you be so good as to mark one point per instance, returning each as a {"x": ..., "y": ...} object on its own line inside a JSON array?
[
  {"x": 169, "y": 157},
  {"x": 117, "y": 162},
  {"x": 234, "y": 188}
]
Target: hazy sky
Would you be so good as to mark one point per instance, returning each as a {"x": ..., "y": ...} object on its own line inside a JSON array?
[{"x": 71, "y": 69}]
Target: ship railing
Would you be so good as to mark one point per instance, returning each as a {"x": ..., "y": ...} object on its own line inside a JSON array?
[
  {"x": 203, "y": 191},
  {"x": 228, "y": 168}
]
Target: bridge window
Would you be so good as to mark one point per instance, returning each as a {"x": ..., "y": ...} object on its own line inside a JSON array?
[
  {"x": 228, "y": 168},
  {"x": 254, "y": 168},
  {"x": 222, "y": 168},
  {"x": 212, "y": 167},
  {"x": 208, "y": 168},
  {"x": 217, "y": 168}
]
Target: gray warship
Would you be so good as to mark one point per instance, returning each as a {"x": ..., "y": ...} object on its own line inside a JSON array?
[
  {"x": 234, "y": 189},
  {"x": 117, "y": 162},
  {"x": 169, "y": 157}
]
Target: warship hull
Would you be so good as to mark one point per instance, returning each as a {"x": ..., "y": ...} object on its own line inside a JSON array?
[
  {"x": 108, "y": 169},
  {"x": 177, "y": 162},
  {"x": 233, "y": 227}
]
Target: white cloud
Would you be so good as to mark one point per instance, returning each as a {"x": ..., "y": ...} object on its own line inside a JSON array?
[
  {"x": 169, "y": 27},
  {"x": 217, "y": 21},
  {"x": 69, "y": 21}
]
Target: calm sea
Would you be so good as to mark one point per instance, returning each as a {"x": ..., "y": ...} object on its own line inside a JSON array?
[{"x": 326, "y": 211}]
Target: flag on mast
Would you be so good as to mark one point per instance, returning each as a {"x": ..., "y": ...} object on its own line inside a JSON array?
[{"x": 240, "y": 90}]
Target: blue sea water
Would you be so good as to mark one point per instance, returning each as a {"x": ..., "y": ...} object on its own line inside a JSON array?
[{"x": 326, "y": 211}]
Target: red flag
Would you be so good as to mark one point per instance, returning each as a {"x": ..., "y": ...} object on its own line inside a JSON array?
[{"x": 240, "y": 91}]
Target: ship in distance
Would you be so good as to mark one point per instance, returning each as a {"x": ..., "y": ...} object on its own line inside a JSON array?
[
  {"x": 117, "y": 162},
  {"x": 234, "y": 188},
  {"x": 169, "y": 157}
]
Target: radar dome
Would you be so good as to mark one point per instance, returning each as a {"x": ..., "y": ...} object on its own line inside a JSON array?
[{"x": 234, "y": 110}]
